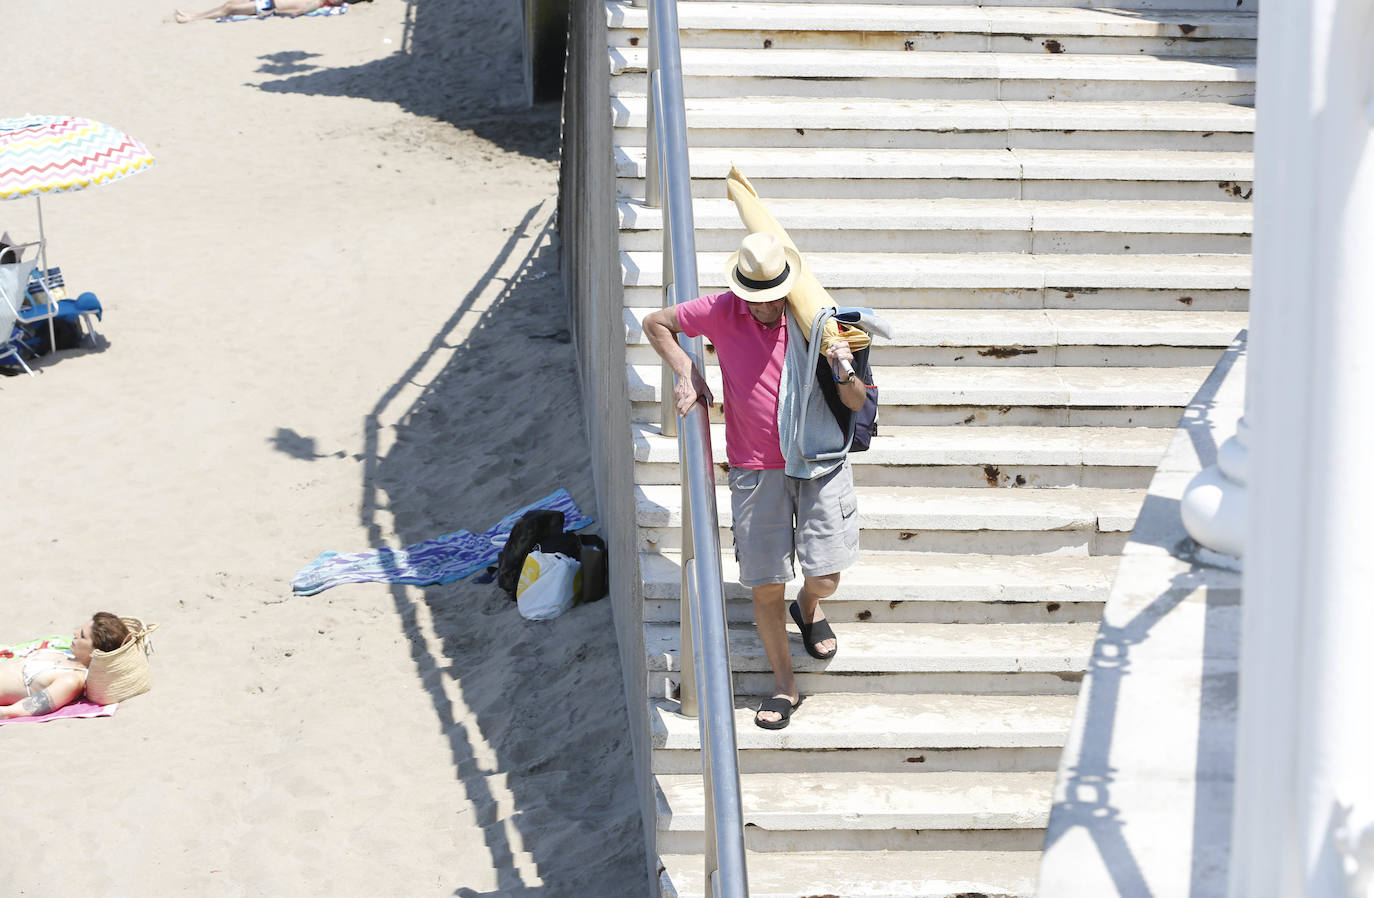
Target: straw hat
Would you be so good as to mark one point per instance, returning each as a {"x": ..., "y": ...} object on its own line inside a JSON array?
[{"x": 763, "y": 269}]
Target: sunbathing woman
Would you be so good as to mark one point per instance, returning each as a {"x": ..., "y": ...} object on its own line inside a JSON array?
[
  {"x": 44, "y": 680},
  {"x": 257, "y": 8}
]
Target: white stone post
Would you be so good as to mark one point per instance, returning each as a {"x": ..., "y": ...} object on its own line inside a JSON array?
[
  {"x": 1214, "y": 506},
  {"x": 1304, "y": 788}
]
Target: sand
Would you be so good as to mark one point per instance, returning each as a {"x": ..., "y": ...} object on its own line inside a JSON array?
[{"x": 333, "y": 321}]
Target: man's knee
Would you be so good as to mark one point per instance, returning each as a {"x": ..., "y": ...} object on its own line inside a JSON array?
[
  {"x": 822, "y": 586},
  {"x": 769, "y": 593}
]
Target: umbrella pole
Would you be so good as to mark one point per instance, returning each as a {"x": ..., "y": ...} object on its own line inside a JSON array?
[
  {"x": 43, "y": 278},
  {"x": 42, "y": 241}
]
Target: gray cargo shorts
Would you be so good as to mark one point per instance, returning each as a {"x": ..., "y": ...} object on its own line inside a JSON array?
[{"x": 778, "y": 518}]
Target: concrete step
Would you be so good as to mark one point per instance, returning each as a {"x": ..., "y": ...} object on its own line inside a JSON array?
[
  {"x": 1082, "y": 521},
  {"x": 949, "y": 124},
  {"x": 953, "y": 28},
  {"x": 1090, "y": 298},
  {"x": 965, "y": 225},
  {"x": 1028, "y": 338},
  {"x": 871, "y": 874},
  {"x": 846, "y": 807},
  {"x": 837, "y": 173},
  {"x": 998, "y": 389},
  {"x": 895, "y": 658},
  {"x": 883, "y": 733},
  {"x": 977, "y": 271},
  {"x": 937, "y": 508},
  {"x": 1020, "y": 396},
  {"x": 901, "y": 588},
  {"x": 856, "y": 723},
  {"x": 710, "y": 72},
  {"x": 941, "y": 456}
]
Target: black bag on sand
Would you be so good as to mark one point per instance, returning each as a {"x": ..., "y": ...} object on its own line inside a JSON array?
[
  {"x": 595, "y": 579},
  {"x": 542, "y": 527}
]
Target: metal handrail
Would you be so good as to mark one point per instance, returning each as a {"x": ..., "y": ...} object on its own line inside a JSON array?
[{"x": 707, "y": 689}]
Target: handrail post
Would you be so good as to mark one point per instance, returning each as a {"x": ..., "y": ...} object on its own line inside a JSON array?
[
  {"x": 667, "y": 408},
  {"x": 687, "y": 674},
  {"x": 653, "y": 191}
]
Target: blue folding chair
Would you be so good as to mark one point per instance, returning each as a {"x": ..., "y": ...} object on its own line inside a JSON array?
[{"x": 13, "y": 277}]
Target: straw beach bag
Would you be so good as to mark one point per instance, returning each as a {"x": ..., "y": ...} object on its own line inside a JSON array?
[{"x": 123, "y": 673}]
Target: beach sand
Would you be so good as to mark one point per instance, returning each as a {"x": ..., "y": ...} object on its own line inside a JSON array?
[{"x": 333, "y": 321}]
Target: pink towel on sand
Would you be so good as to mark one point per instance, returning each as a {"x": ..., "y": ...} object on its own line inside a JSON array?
[{"x": 75, "y": 709}]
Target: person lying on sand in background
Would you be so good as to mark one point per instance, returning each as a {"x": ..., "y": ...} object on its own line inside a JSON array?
[
  {"x": 259, "y": 8},
  {"x": 44, "y": 679}
]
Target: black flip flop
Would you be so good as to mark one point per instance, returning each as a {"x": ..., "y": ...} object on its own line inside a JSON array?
[
  {"x": 812, "y": 633},
  {"x": 778, "y": 705}
]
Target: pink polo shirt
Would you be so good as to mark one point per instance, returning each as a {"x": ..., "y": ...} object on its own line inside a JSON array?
[{"x": 750, "y": 357}]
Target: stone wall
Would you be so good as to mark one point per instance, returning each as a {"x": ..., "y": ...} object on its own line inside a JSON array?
[{"x": 589, "y": 232}]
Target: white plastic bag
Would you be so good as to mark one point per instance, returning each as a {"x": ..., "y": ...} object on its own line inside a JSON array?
[{"x": 546, "y": 582}]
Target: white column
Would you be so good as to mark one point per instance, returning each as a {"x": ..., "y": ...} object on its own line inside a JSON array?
[{"x": 1304, "y": 771}]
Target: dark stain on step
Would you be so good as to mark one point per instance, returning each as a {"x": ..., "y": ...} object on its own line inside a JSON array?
[
  {"x": 1054, "y": 46},
  {"x": 991, "y": 474},
  {"x": 905, "y": 535},
  {"x": 1005, "y": 352},
  {"x": 724, "y": 466},
  {"x": 918, "y": 759},
  {"x": 634, "y": 42},
  {"x": 767, "y": 43},
  {"x": 1235, "y": 189},
  {"x": 864, "y": 615},
  {"x": 909, "y": 45},
  {"x": 1187, "y": 29},
  {"x": 1052, "y": 607},
  {"x": 1186, "y": 300}
]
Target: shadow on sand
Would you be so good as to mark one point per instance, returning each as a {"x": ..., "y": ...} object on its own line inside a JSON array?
[
  {"x": 459, "y": 63},
  {"x": 547, "y": 770}
]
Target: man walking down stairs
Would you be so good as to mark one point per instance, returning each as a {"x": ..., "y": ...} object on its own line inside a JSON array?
[
  {"x": 778, "y": 517},
  {"x": 1048, "y": 203}
]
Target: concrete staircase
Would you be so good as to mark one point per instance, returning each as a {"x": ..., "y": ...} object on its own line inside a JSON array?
[{"x": 1048, "y": 202}]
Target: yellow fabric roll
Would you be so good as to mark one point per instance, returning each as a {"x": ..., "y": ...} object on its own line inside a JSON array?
[{"x": 808, "y": 297}]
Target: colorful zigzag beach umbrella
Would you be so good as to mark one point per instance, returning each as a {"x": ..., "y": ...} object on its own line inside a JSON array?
[{"x": 55, "y": 153}]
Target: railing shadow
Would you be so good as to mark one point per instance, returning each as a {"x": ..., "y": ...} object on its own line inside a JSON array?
[
  {"x": 1088, "y": 804},
  {"x": 459, "y": 63},
  {"x": 539, "y": 727}
]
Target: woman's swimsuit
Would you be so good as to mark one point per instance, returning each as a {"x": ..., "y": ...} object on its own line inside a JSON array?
[{"x": 44, "y": 661}]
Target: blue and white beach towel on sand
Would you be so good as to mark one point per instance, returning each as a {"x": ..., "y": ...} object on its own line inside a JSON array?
[{"x": 439, "y": 560}]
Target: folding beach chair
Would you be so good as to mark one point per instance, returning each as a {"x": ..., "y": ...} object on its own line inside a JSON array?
[{"x": 13, "y": 277}]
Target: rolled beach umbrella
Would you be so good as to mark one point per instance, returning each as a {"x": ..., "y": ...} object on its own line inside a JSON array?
[
  {"x": 56, "y": 153},
  {"x": 807, "y": 297}
]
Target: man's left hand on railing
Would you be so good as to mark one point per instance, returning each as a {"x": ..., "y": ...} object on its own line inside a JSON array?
[{"x": 661, "y": 329}]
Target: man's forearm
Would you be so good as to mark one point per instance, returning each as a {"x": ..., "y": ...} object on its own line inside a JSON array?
[
  {"x": 853, "y": 393},
  {"x": 664, "y": 342}
]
